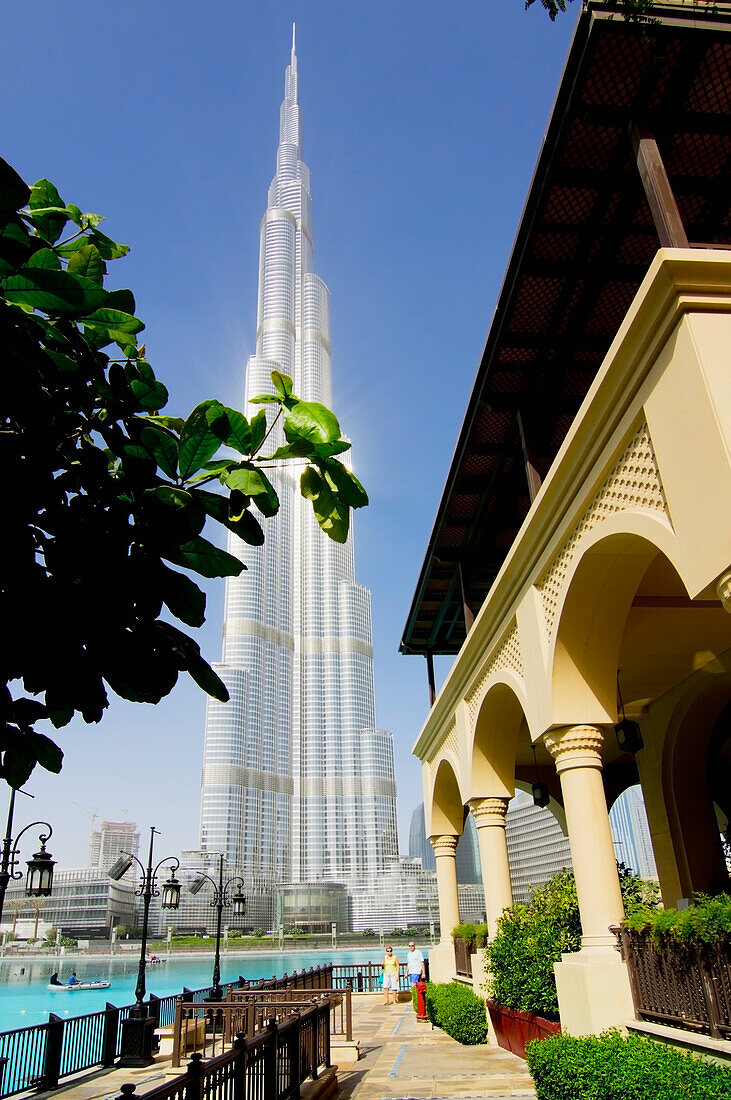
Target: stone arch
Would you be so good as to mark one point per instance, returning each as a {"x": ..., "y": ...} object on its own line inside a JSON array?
[
  {"x": 689, "y": 759},
  {"x": 445, "y": 810},
  {"x": 493, "y": 741},
  {"x": 601, "y": 584}
]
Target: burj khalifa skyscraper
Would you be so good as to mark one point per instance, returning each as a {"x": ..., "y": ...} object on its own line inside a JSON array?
[{"x": 298, "y": 783}]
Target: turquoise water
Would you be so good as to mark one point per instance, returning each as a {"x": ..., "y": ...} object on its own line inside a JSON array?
[{"x": 24, "y": 999}]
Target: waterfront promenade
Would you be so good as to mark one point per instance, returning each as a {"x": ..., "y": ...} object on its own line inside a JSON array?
[{"x": 400, "y": 1058}]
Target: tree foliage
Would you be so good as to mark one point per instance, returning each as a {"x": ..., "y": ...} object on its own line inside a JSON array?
[{"x": 105, "y": 495}]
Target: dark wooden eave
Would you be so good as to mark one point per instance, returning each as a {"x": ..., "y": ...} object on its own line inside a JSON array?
[{"x": 585, "y": 241}]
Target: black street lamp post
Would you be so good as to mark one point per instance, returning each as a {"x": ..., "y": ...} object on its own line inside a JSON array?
[
  {"x": 39, "y": 877},
  {"x": 223, "y": 898},
  {"x": 138, "y": 1029}
]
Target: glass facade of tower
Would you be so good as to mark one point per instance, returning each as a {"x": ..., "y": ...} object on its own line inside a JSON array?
[{"x": 298, "y": 784}]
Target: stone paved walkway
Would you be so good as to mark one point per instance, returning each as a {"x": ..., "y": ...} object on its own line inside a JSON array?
[{"x": 403, "y": 1059}]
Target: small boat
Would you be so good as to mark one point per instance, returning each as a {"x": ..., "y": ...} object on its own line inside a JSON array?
[{"x": 66, "y": 988}]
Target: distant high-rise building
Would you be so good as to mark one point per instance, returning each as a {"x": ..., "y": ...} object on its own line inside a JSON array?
[
  {"x": 467, "y": 855},
  {"x": 109, "y": 840},
  {"x": 631, "y": 833},
  {"x": 298, "y": 783},
  {"x": 537, "y": 847}
]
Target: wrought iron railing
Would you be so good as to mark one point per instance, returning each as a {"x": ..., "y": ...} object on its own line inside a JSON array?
[
  {"x": 463, "y": 957},
  {"x": 365, "y": 977},
  {"x": 268, "y": 1066},
  {"x": 39, "y": 1056},
  {"x": 209, "y": 1029},
  {"x": 684, "y": 987}
]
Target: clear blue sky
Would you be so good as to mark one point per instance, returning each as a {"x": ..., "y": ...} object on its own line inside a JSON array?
[{"x": 422, "y": 122}]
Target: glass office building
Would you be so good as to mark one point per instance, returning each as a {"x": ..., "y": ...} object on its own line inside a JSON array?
[{"x": 298, "y": 783}]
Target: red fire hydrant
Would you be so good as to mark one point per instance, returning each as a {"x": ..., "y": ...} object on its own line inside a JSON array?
[{"x": 421, "y": 1000}]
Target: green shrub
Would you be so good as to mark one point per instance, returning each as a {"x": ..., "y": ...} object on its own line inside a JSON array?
[
  {"x": 610, "y": 1067},
  {"x": 455, "y": 1009},
  {"x": 706, "y": 923},
  {"x": 532, "y": 937},
  {"x": 474, "y": 935}
]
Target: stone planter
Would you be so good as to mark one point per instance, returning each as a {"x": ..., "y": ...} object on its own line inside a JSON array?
[{"x": 514, "y": 1029}]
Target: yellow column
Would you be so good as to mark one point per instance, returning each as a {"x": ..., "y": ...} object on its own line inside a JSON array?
[
  {"x": 577, "y": 752},
  {"x": 489, "y": 815},
  {"x": 445, "y": 848}
]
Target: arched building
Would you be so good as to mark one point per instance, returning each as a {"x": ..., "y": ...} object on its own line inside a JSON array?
[{"x": 579, "y": 568}]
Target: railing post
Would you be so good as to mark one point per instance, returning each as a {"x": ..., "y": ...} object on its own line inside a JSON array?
[
  {"x": 240, "y": 1064},
  {"x": 709, "y": 992},
  {"x": 127, "y": 1092},
  {"x": 360, "y": 981},
  {"x": 327, "y": 1038},
  {"x": 270, "y": 1062},
  {"x": 349, "y": 1012},
  {"x": 194, "y": 1090},
  {"x": 109, "y": 1037},
  {"x": 177, "y": 1030},
  {"x": 54, "y": 1046},
  {"x": 3, "y": 1064},
  {"x": 154, "y": 1008}
]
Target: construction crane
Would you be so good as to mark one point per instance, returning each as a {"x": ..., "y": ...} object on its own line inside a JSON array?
[{"x": 94, "y": 814}]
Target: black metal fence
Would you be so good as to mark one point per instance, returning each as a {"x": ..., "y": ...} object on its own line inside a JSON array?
[
  {"x": 684, "y": 987},
  {"x": 39, "y": 1056},
  {"x": 270, "y": 1066}
]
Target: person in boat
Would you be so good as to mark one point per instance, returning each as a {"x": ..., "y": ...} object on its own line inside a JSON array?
[
  {"x": 54, "y": 979},
  {"x": 73, "y": 980}
]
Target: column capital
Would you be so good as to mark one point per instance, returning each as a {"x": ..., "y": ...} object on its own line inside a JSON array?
[
  {"x": 575, "y": 747},
  {"x": 489, "y": 811},
  {"x": 444, "y": 845}
]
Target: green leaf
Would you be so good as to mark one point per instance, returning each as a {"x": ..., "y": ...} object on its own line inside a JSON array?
[
  {"x": 183, "y": 597},
  {"x": 203, "y": 557},
  {"x": 207, "y": 679},
  {"x": 113, "y": 319},
  {"x": 87, "y": 261},
  {"x": 74, "y": 213},
  {"x": 332, "y": 514},
  {"x": 313, "y": 421},
  {"x": 14, "y": 192},
  {"x": 311, "y": 483},
  {"x": 258, "y": 425},
  {"x": 46, "y": 752},
  {"x": 53, "y": 292},
  {"x": 255, "y": 484},
  {"x": 198, "y": 442},
  {"x": 282, "y": 382},
  {"x": 266, "y": 399},
  {"x": 217, "y": 468},
  {"x": 16, "y": 768},
  {"x": 123, "y": 300},
  {"x": 175, "y": 423},
  {"x": 47, "y": 210},
  {"x": 233, "y": 514},
  {"x": 109, "y": 249},
  {"x": 162, "y": 446},
  {"x": 45, "y": 258},
  {"x": 233, "y": 430},
  {"x": 151, "y": 395},
  {"x": 344, "y": 482},
  {"x": 300, "y": 448}
]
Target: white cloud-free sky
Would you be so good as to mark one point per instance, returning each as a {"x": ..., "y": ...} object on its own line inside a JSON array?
[{"x": 422, "y": 122}]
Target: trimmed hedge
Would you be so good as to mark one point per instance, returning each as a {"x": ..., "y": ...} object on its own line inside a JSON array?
[
  {"x": 474, "y": 935},
  {"x": 455, "y": 1009},
  {"x": 611, "y": 1067}
]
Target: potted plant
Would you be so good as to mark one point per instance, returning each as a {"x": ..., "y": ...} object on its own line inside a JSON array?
[{"x": 530, "y": 938}]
